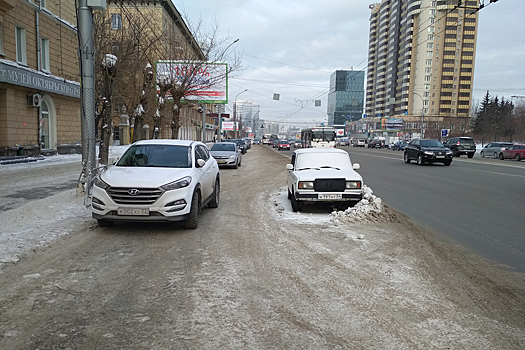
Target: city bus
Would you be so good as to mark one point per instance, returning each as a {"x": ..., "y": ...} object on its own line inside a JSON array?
[
  {"x": 269, "y": 137},
  {"x": 320, "y": 136}
]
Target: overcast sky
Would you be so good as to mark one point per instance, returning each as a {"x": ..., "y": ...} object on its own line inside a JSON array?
[{"x": 291, "y": 47}]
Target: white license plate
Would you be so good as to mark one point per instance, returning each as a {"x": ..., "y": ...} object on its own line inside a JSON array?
[
  {"x": 440, "y": 156},
  {"x": 329, "y": 196},
  {"x": 221, "y": 162},
  {"x": 133, "y": 211}
]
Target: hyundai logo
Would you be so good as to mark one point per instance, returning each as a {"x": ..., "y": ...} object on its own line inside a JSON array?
[{"x": 133, "y": 192}]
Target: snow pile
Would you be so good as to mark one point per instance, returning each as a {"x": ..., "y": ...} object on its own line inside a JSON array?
[{"x": 370, "y": 208}]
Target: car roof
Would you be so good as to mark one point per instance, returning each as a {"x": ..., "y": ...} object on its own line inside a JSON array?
[
  {"x": 166, "y": 142},
  {"x": 319, "y": 150}
]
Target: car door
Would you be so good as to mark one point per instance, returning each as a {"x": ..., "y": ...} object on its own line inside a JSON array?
[
  {"x": 291, "y": 178},
  {"x": 207, "y": 172}
]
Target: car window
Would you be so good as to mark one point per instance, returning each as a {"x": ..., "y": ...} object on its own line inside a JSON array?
[
  {"x": 223, "y": 147},
  {"x": 201, "y": 153},
  {"x": 316, "y": 160},
  {"x": 466, "y": 141},
  {"x": 431, "y": 143},
  {"x": 169, "y": 156}
]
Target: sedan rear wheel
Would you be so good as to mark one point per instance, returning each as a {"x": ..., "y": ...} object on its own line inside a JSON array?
[
  {"x": 407, "y": 160},
  {"x": 501, "y": 156},
  {"x": 517, "y": 157}
]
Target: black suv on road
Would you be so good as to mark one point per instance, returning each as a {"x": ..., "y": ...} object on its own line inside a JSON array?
[{"x": 461, "y": 145}]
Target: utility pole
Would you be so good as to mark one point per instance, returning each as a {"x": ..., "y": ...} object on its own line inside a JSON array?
[{"x": 87, "y": 110}]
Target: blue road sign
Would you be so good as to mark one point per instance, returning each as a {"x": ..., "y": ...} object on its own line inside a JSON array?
[{"x": 444, "y": 132}]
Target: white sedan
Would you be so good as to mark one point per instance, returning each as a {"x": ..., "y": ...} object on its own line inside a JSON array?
[
  {"x": 323, "y": 175},
  {"x": 157, "y": 180}
]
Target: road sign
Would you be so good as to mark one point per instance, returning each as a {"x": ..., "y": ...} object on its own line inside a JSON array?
[{"x": 444, "y": 132}]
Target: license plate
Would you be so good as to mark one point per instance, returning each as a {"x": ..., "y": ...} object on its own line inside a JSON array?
[
  {"x": 133, "y": 211},
  {"x": 221, "y": 162},
  {"x": 329, "y": 196},
  {"x": 440, "y": 156}
]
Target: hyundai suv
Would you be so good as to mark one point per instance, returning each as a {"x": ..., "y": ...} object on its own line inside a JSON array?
[
  {"x": 157, "y": 180},
  {"x": 461, "y": 145}
]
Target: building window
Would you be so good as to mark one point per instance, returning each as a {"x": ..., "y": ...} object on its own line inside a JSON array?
[
  {"x": 428, "y": 70},
  {"x": 21, "y": 55},
  {"x": 430, "y": 45},
  {"x": 1, "y": 38},
  {"x": 427, "y": 77},
  {"x": 429, "y": 53},
  {"x": 116, "y": 21},
  {"x": 431, "y": 29},
  {"x": 430, "y": 37},
  {"x": 432, "y": 12},
  {"x": 426, "y": 93},
  {"x": 44, "y": 54},
  {"x": 429, "y": 62}
]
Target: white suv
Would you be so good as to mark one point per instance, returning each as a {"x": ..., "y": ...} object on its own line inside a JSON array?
[
  {"x": 323, "y": 175},
  {"x": 157, "y": 180}
]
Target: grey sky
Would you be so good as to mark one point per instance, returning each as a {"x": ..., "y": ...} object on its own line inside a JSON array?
[{"x": 291, "y": 47}]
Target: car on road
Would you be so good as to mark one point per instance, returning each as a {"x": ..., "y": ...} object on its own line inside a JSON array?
[
  {"x": 297, "y": 144},
  {"x": 360, "y": 143},
  {"x": 283, "y": 144},
  {"x": 376, "y": 143},
  {"x": 461, "y": 145},
  {"x": 157, "y": 180},
  {"x": 516, "y": 152},
  {"x": 323, "y": 175},
  {"x": 493, "y": 149},
  {"x": 399, "y": 146},
  {"x": 227, "y": 154},
  {"x": 256, "y": 141},
  {"x": 240, "y": 143},
  {"x": 427, "y": 151}
]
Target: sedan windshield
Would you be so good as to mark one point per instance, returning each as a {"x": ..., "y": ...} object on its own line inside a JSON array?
[
  {"x": 223, "y": 147},
  {"x": 164, "y": 156},
  {"x": 323, "y": 160},
  {"x": 431, "y": 143}
]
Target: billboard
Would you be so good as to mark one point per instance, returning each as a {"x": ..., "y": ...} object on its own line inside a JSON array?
[
  {"x": 228, "y": 126},
  {"x": 207, "y": 82}
]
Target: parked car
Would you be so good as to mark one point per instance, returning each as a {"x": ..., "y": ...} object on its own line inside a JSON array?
[
  {"x": 240, "y": 143},
  {"x": 427, "y": 151},
  {"x": 461, "y": 145},
  {"x": 227, "y": 154},
  {"x": 399, "y": 146},
  {"x": 513, "y": 152},
  {"x": 360, "y": 143},
  {"x": 283, "y": 144},
  {"x": 323, "y": 175},
  {"x": 493, "y": 149},
  {"x": 157, "y": 180}
]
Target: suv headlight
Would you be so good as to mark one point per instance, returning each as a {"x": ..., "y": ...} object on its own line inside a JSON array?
[
  {"x": 306, "y": 185},
  {"x": 181, "y": 183},
  {"x": 100, "y": 183},
  {"x": 429, "y": 153}
]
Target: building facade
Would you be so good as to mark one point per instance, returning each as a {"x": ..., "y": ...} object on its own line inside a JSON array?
[
  {"x": 39, "y": 78},
  {"x": 346, "y": 96},
  {"x": 421, "y": 60}
]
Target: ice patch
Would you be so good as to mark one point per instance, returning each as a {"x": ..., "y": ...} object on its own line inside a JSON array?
[{"x": 370, "y": 208}]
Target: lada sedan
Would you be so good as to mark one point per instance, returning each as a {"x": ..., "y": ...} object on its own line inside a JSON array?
[
  {"x": 157, "y": 180},
  {"x": 323, "y": 175},
  {"x": 427, "y": 151}
]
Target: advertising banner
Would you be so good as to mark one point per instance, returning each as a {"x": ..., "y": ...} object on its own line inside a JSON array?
[
  {"x": 206, "y": 82},
  {"x": 228, "y": 126}
]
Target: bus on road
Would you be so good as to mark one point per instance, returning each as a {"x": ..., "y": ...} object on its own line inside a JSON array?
[
  {"x": 269, "y": 137},
  {"x": 320, "y": 136}
]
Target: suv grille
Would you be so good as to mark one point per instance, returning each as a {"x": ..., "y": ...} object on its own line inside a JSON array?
[
  {"x": 145, "y": 196},
  {"x": 329, "y": 185}
]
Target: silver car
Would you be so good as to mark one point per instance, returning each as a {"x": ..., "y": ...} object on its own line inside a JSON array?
[
  {"x": 493, "y": 149},
  {"x": 227, "y": 154}
]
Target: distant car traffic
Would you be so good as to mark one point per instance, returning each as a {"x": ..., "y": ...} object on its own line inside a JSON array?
[
  {"x": 427, "y": 151},
  {"x": 323, "y": 175},
  {"x": 242, "y": 145},
  {"x": 461, "y": 145},
  {"x": 493, "y": 149},
  {"x": 227, "y": 154},
  {"x": 360, "y": 143},
  {"x": 297, "y": 144},
  {"x": 256, "y": 141},
  {"x": 157, "y": 180},
  {"x": 399, "y": 146},
  {"x": 283, "y": 144},
  {"x": 516, "y": 152}
]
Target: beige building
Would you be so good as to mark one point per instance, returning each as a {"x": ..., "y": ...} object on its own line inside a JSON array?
[
  {"x": 168, "y": 38},
  {"x": 39, "y": 78},
  {"x": 421, "y": 61}
]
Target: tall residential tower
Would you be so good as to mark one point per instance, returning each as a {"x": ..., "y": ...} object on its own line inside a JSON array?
[{"x": 421, "y": 58}]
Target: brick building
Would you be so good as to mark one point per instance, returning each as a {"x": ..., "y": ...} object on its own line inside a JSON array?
[{"x": 39, "y": 78}]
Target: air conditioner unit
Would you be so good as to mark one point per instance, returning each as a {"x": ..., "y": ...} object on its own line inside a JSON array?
[{"x": 34, "y": 100}]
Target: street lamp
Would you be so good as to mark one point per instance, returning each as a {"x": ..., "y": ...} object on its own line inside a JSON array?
[
  {"x": 422, "y": 113},
  {"x": 315, "y": 122},
  {"x": 235, "y": 112}
]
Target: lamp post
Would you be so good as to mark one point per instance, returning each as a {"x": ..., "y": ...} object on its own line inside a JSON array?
[
  {"x": 422, "y": 114},
  {"x": 235, "y": 112}
]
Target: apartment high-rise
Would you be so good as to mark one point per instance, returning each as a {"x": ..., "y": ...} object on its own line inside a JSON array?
[{"x": 421, "y": 59}]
